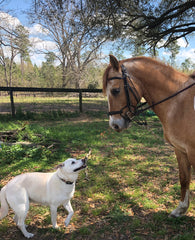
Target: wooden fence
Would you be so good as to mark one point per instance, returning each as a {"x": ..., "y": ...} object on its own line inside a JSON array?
[{"x": 32, "y": 89}]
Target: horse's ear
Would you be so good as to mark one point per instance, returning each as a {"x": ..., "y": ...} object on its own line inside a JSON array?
[
  {"x": 114, "y": 62},
  {"x": 192, "y": 75}
]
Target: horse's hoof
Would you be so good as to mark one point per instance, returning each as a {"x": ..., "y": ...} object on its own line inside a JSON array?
[
  {"x": 171, "y": 215},
  {"x": 178, "y": 212}
]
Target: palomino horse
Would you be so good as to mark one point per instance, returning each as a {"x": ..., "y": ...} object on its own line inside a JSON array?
[{"x": 171, "y": 95}]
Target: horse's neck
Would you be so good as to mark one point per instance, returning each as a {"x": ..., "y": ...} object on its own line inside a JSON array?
[{"x": 157, "y": 82}]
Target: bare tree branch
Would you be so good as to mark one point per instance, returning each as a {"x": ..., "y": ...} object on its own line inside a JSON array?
[{"x": 148, "y": 21}]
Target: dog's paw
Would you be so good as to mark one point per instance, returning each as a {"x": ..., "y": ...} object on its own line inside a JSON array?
[{"x": 56, "y": 227}]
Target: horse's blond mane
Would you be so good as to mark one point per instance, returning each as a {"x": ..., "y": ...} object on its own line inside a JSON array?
[
  {"x": 157, "y": 63},
  {"x": 149, "y": 60}
]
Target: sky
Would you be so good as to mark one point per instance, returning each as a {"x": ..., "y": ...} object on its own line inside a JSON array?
[
  {"x": 16, "y": 8},
  {"x": 13, "y": 11}
]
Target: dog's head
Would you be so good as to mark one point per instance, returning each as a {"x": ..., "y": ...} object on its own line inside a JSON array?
[{"x": 71, "y": 167}]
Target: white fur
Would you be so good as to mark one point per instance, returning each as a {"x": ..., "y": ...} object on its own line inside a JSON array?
[
  {"x": 108, "y": 91},
  {"x": 194, "y": 103},
  {"x": 44, "y": 188},
  {"x": 182, "y": 208},
  {"x": 119, "y": 122}
]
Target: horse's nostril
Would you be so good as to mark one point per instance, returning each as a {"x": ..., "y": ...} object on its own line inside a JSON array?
[{"x": 116, "y": 127}]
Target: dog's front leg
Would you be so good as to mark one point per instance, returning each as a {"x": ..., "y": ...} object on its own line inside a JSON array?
[
  {"x": 68, "y": 207},
  {"x": 53, "y": 210}
]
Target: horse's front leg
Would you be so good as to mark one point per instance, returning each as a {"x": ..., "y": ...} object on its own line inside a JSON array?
[{"x": 185, "y": 176}]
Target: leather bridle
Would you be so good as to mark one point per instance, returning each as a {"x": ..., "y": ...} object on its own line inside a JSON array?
[
  {"x": 137, "y": 110},
  {"x": 131, "y": 108}
]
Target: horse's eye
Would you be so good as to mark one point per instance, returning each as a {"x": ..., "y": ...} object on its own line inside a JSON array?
[{"x": 115, "y": 91}]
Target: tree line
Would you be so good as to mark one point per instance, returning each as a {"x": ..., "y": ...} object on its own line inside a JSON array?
[
  {"x": 47, "y": 75},
  {"x": 80, "y": 30}
]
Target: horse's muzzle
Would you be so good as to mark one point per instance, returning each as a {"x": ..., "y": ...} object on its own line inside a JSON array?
[{"x": 118, "y": 124}]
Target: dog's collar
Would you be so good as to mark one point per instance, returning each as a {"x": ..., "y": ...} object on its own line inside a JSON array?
[{"x": 67, "y": 182}]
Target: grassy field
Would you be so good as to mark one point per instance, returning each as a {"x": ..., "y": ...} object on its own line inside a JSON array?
[
  {"x": 58, "y": 103},
  {"x": 131, "y": 186}
]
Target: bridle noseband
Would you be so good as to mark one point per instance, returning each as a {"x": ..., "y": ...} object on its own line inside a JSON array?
[{"x": 127, "y": 87}]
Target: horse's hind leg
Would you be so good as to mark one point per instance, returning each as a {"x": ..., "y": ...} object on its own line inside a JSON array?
[{"x": 185, "y": 177}]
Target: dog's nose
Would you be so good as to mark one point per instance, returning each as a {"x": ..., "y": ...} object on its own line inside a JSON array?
[{"x": 83, "y": 160}]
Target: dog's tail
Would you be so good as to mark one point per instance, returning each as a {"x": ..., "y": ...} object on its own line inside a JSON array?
[{"x": 4, "y": 205}]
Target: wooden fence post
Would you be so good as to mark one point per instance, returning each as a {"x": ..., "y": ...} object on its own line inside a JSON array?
[
  {"x": 80, "y": 101},
  {"x": 34, "y": 89},
  {"x": 12, "y": 103}
]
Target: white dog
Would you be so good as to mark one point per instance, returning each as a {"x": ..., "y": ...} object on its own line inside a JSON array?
[{"x": 51, "y": 189}]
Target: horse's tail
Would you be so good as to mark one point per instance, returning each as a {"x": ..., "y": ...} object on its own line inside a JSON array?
[{"x": 4, "y": 205}]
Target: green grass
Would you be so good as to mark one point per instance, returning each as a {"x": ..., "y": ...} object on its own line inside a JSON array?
[
  {"x": 132, "y": 181},
  {"x": 37, "y": 108}
]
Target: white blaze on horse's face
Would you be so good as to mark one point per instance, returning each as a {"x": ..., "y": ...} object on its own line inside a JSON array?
[
  {"x": 194, "y": 103},
  {"x": 116, "y": 122}
]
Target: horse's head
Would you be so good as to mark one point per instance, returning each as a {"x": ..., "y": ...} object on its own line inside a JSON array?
[{"x": 122, "y": 94}]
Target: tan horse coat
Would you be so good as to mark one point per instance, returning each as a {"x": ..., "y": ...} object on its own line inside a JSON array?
[{"x": 155, "y": 81}]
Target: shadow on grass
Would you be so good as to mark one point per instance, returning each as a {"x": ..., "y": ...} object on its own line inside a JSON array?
[
  {"x": 113, "y": 222},
  {"x": 103, "y": 208},
  {"x": 116, "y": 225}
]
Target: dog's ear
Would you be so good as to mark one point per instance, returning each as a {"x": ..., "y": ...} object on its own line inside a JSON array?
[{"x": 61, "y": 165}]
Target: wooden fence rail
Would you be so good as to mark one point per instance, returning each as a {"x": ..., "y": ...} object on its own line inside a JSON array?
[{"x": 32, "y": 89}]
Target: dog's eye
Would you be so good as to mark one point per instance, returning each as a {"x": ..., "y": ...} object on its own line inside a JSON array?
[
  {"x": 115, "y": 91},
  {"x": 73, "y": 162}
]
